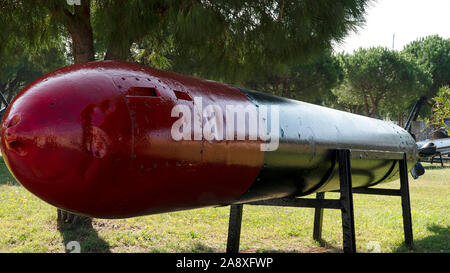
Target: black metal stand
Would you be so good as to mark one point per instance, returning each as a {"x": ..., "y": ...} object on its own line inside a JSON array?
[
  {"x": 440, "y": 157},
  {"x": 345, "y": 204},
  {"x": 234, "y": 228},
  {"x": 348, "y": 219}
]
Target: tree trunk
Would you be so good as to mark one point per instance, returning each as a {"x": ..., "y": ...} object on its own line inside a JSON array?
[
  {"x": 118, "y": 51},
  {"x": 366, "y": 106},
  {"x": 82, "y": 44},
  {"x": 82, "y": 34},
  {"x": 374, "y": 102},
  {"x": 373, "y": 113},
  {"x": 79, "y": 26}
]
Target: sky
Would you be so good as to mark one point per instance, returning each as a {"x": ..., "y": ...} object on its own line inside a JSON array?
[{"x": 407, "y": 19}]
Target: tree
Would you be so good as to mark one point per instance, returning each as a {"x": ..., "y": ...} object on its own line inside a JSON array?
[
  {"x": 227, "y": 35},
  {"x": 382, "y": 81},
  {"x": 441, "y": 110},
  {"x": 432, "y": 53},
  {"x": 344, "y": 97},
  {"x": 310, "y": 81}
]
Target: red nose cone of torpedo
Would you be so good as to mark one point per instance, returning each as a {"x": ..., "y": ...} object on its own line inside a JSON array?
[
  {"x": 52, "y": 141},
  {"x": 76, "y": 140}
]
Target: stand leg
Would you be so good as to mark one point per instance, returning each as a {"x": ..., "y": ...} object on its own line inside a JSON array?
[
  {"x": 318, "y": 219},
  {"x": 348, "y": 221},
  {"x": 406, "y": 205},
  {"x": 234, "y": 228}
]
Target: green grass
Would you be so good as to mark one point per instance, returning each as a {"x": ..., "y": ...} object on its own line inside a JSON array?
[{"x": 27, "y": 224}]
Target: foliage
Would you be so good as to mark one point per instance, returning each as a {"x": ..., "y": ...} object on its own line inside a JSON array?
[
  {"x": 21, "y": 63},
  {"x": 381, "y": 80},
  {"x": 226, "y": 36},
  {"x": 310, "y": 81},
  {"x": 244, "y": 38},
  {"x": 441, "y": 110},
  {"x": 432, "y": 53},
  {"x": 226, "y": 40},
  {"x": 343, "y": 97}
]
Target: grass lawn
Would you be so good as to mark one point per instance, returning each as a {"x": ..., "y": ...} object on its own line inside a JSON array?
[{"x": 27, "y": 224}]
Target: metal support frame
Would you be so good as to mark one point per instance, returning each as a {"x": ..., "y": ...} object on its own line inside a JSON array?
[
  {"x": 440, "y": 157},
  {"x": 318, "y": 219},
  {"x": 406, "y": 204},
  {"x": 345, "y": 204},
  {"x": 234, "y": 228},
  {"x": 348, "y": 219}
]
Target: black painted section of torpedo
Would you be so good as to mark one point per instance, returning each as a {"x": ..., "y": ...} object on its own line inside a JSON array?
[{"x": 280, "y": 181}]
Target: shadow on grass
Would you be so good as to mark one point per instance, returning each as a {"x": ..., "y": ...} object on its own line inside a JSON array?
[
  {"x": 199, "y": 247},
  {"x": 328, "y": 247},
  {"x": 85, "y": 234},
  {"x": 5, "y": 176},
  {"x": 437, "y": 243},
  {"x": 323, "y": 247},
  {"x": 436, "y": 167}
]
